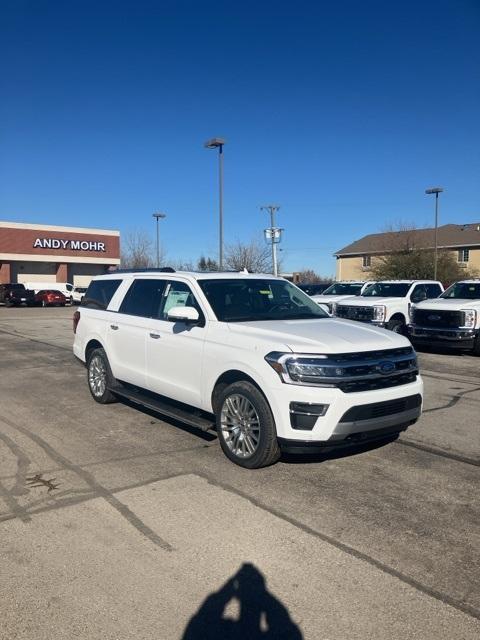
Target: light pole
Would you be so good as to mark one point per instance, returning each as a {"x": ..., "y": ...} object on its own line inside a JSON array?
[
  {"x": 274, "y": 234},
  {"x": 217, "y": 143},
  {"x": 158, "y": 216},
  {"x": 436, "y": 191}
]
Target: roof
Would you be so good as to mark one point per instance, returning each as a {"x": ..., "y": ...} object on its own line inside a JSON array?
[
  {"x": 194, "y": 275},
  {"x": 448, "y": 236},
  {"x": 5, "y": 224}
]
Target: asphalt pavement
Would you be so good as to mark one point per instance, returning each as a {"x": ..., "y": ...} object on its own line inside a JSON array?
[{"x": 117, "y": 524}]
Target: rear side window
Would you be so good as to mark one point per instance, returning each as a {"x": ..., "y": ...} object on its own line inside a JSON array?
[
  {"x": 99, "y": 293},
  {"x": 143, "y": 298}
]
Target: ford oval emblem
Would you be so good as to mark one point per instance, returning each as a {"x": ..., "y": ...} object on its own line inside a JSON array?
[
  {"x": 434, "y": 317},
  {"x": 386, "y": 367}
]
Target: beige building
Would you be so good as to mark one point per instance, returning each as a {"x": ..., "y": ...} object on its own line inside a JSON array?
[{"x": 354, "y": 262}]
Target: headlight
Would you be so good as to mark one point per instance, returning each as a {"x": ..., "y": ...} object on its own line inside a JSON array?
[
  {"x": 379, "y": 313},
  {"x": 470, "y": 318},
  {"x": 334, "y": 309},
  {"x": 303, "y": 369},
  {"x": 411, "y": 311}
]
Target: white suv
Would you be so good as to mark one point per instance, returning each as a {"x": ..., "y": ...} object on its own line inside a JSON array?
[
  {"x": 387, "y": 303},
  {"x": 340, "y": 291},
  {"x": 249, "y": 355}
]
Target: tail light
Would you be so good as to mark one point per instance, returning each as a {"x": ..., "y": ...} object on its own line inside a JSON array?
[{"x": 76, "y": 320}]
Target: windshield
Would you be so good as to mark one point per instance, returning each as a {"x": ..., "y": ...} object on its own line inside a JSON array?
[
  {"x": 463, "y": 290},
  {"x": 343, "y": 288},
  {"x": 244, "y": 300},
  {"x": 387, "y": 290}
]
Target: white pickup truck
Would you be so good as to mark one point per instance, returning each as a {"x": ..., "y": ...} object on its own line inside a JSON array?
[
  {"x": 452, "y": 320},
  {"x": 251, "y": 356},
  {"x": 340, "y": 291},
  {"x": 387, "y": 303}
]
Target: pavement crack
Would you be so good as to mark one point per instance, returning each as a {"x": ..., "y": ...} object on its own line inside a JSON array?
[
  {"x": 470, "y": 610},
  {"x": 96, "y": 487}
]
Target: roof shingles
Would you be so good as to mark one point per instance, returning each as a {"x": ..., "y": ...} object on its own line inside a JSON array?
[{"x": 448, "y": 236}]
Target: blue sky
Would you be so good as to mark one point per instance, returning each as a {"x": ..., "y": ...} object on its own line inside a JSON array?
[{"x": 342, "y": 112}]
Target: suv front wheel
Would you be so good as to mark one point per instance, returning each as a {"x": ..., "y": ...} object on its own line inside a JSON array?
[
  {"x": 245, "y": 426},
  {"x": 100, "y": 377}
]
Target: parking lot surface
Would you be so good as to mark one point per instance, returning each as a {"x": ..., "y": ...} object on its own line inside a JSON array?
[{"x": 117, "y": 524}]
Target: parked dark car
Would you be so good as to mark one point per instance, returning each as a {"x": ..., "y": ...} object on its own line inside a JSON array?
[
  {"x": 314, "y": 289},
  {"x": 50, "y": 298},
  {"x": 13, "y": 294}
]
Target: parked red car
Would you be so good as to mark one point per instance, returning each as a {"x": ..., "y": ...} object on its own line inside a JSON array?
[{"x": 49, "y": 297}]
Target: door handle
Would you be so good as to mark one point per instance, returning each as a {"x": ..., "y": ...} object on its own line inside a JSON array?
[
  {"x": 114, "y": 327},
  {"x": 155, "y": 336}
]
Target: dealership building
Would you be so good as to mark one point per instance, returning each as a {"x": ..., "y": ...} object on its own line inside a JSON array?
[{"x": 44, "y": 253}]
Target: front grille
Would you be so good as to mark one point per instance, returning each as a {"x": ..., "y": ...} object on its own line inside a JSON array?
[
  {"x": 354, "y": 372},
  {"x": 381, "y": 409},
  {"x": 377, "y": 383},
  {"x": 441, "y": 318},
  {"x": 351, "y": 312}
]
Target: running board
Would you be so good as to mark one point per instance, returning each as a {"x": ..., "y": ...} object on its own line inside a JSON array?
[{"x": 192, "y": 417}]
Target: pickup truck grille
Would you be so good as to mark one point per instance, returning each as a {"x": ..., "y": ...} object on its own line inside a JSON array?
[
  {"x": 441, "y": 318},
  {"x": 351, "y": 312},
  {"x": 355, "y": 372}
]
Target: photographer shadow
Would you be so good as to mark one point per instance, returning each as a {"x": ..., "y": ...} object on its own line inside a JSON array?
[{"x": 261, "y": 616}]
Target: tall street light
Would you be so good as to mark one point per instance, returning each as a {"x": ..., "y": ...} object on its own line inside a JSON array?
[
  {"x": 436, "y": 191},
  {"x": 158, "y": 216},
  {"x": 217, "y": 143}
]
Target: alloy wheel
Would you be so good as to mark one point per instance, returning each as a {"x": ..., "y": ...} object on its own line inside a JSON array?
[
  {"x": 240, "y": 425},
  {"x": 97, "y": 376}
]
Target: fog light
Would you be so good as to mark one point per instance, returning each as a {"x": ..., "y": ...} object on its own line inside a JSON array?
[{"x": 303, "y": 415}]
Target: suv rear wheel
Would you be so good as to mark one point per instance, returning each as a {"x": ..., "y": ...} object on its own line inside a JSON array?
[
  {"x": 245, "y": 426},
  {"x": 100, "y": 377}
]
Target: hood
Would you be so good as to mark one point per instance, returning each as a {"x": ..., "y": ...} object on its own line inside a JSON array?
[
  {"x": 328, "y": 335},
  {"x": 448, "y": 304},
  {"x": 360, "y": 301},
  {"x": 326, "y": 299}
]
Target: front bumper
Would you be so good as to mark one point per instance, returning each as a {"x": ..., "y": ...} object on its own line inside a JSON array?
[
  {"x": 454, "y": 337},
  {"x": 335, "y": 426}
]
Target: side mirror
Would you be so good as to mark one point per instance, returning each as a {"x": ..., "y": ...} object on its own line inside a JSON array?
[
  {"x": 188, "y": 315},
  {"x": 421, "y": 295}
]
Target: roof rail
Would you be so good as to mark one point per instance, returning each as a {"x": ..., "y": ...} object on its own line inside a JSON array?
[{"x": 146, "y": 270}]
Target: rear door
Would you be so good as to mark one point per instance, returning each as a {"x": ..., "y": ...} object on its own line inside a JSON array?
[
  {"x": 174, "y": 350},
  {"x": 127, "y": 330}
]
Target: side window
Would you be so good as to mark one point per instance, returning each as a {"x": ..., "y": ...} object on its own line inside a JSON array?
[
  {"x": 177, "y": 294},
  {"x": 433, "y": 290},
  {"x": 418, "y": 293},
  {"x": 69, "y": 287},
  {"x": 99, "y": 293},
  {"x": 143, "y": 297}
]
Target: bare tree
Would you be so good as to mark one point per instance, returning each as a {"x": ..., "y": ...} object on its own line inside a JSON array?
[
  {"x": 138, "y": 251},
  {"x": 254, "y": 257}
]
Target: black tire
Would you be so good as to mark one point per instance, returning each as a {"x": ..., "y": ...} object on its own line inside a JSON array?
[
  {"x": 97, "y": 362},
  {"x": 476, "y": 346},
  {"x": 397, "y": 325},
  {"x": 266, "y": 450}
]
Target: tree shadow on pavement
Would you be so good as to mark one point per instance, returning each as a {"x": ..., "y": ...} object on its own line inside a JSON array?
[{"x": 261, "y": 615}]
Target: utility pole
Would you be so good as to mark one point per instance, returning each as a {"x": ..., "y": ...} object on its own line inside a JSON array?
[{"x": 273, "y": 234}]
